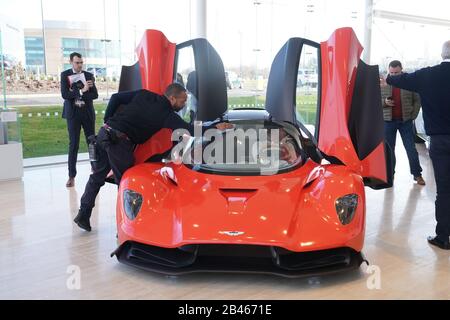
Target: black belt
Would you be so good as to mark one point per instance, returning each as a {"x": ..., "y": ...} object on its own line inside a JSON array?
[{"x": 117, "y": 133}]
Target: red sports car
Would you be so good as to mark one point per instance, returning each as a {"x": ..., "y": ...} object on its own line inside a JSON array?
[{"x": 307, "y": 216}]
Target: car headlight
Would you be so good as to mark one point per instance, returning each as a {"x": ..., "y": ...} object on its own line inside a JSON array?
[
  {"x": 132, "y": 202},
  {"x": 346, "y": 208}
]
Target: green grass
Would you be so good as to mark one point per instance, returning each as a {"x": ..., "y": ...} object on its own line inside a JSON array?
[
  {"x": 245, "y": 101},
  {"x": 306, "y": 105},
  {"x": 48, "y": 136}
]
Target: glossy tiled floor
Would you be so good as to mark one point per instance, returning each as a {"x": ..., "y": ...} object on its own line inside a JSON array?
[{"x": 39, "y": 243}]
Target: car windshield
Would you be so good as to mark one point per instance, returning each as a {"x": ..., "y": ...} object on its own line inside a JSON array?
[{"x": 252, "y": 147}]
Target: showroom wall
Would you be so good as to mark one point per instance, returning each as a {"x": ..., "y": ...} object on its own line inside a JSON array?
[{"x": 36, "y": 43}]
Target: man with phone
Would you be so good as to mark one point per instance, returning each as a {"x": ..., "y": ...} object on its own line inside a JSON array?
[
  {"x": 78, "y": 91},
  {"x": 433, "y": 86},
  {"x": 400, "y": 108}
]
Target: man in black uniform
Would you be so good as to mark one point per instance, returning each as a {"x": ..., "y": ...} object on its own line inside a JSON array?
[
  {"x": 131, "y": 118},
  {"x": 78, "y": 108}
]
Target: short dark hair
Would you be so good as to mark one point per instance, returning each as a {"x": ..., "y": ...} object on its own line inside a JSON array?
[
  {"x": 395, "y": 64},
  {"x": 75, "y": 54},
  {"x": 174, "y": 89}
]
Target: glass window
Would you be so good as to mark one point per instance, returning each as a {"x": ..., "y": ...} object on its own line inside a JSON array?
[
  {"x": 90, "y": 48},
  {"x": 250, "y": 148},
  {"x": 70, "y": 43},
  {"x": 307, "y": 101},
  {"x": 34, "y": 54},
  {"x": 186, "y": 75}
]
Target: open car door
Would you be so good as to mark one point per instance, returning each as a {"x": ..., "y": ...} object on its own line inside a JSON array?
[
  {"x": 195, "y": 64},
  {"x": 334, "y": 97}
]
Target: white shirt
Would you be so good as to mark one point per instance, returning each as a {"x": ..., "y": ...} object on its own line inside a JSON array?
[{"x": 446, "y": 60}]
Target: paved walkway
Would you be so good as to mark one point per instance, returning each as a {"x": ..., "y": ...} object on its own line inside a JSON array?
[
  {"x": 35, "y": 100},
  {"x": 53, "y": 160}
]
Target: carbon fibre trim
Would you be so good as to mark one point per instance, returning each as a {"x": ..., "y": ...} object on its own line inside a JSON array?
[{"x": 238, "y": 259}]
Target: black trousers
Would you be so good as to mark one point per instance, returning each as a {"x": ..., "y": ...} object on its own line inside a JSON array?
[
  {"x": 80, "y": 119},
  {"x": 440, "y": 157},
  {"x": 116, "y": 156}
]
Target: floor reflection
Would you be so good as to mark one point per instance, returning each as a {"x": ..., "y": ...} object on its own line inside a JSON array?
[{"x": 39, "y": 241}]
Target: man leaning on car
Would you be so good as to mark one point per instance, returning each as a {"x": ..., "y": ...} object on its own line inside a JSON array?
[
  {"x": 131, "y": 118},
  {"x": 433, "y": 86}
]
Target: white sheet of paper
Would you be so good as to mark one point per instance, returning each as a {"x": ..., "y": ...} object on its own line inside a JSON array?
[{"x": 77, "y": 77}]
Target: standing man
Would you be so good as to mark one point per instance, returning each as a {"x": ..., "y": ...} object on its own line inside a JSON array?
[
  {"x": 131, "y": 118},
  {"x": 78, "y": 91},
  {"x": 400, "y": 108},
  {"x": 433, "y": 86}
]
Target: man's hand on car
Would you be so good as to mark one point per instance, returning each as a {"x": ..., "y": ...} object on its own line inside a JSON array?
[{"x": 224, "y": 126}]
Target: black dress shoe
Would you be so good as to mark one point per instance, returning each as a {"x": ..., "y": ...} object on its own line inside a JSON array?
[
  {"x": 435, "y": 241},
  {"x": 82, "y": 221}
]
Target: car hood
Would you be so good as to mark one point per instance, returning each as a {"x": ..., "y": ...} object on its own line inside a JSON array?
[{"x": 201, "y": 207}]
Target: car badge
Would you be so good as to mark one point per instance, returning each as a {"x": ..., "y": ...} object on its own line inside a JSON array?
[{"x": 232, "y": 233}]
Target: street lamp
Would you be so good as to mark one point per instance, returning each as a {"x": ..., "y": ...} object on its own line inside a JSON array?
[
  {"x": 120, "y": 33},
  {"x": 3, "y": 128},
  {"x": 106, "y": 41},
  {"x": 240, "y": 53},
  {"x": 256, "y": 50},
  {"x": 3, "y": 70},
  {"x": 134, "y": 43},
  {"x": 43, "y": 38},
  {"x": 309, "y": 10}
]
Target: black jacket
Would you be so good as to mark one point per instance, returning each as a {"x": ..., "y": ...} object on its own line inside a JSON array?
[
  {"x": 433, "y": 86},
  {"x": 140, "y": 114},
  {"x": 69, "y": 96}
]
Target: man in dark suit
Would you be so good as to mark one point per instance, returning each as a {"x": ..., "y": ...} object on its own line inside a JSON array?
[
  {"x": 78, "y": 108},
  {"x": 433, "y": 86}
]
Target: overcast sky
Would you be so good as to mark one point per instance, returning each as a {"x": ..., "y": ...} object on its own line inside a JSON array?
[{"x": 237, "y": 27}]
